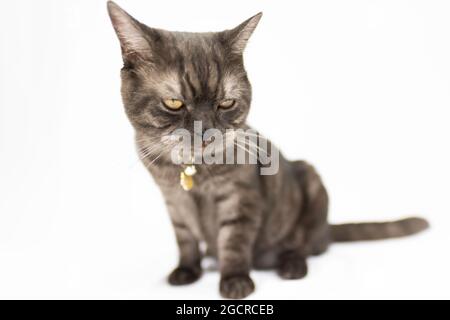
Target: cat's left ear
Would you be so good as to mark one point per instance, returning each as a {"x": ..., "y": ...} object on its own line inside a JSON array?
[{"x": 238, "y": 37}]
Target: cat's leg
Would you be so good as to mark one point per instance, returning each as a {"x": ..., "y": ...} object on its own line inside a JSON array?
[
  {"x": 239, "y": 220},
  {"x": 292, "y": 253},
  {"x": 310, "y": 236},
  {"x": 189, "y": 268},
  {"x": 292, "y": 265},
  {"x": 315, "y": 210},
  {"x": 184, "y": 215}
]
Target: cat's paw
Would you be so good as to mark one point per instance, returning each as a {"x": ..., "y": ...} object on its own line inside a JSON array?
[
  {"x": 184, "y": 275},
  {"x": 236, "y": 287},
  {"x": 292, "y": 268}
]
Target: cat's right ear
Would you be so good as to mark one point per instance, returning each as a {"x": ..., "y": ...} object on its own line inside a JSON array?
[
  {"x": 239, "y": 36},
  {"x": 129, "y": 31}
]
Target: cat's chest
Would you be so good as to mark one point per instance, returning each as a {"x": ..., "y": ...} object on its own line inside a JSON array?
[
  {"x": 207, "y": 217},
  {"x": 203, "y": 180}
]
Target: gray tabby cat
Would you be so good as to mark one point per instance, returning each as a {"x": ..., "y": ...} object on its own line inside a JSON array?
[{"x": 170, "y": 80}]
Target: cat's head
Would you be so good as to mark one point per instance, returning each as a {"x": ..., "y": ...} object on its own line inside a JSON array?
[{"x": 171, "y": 79}]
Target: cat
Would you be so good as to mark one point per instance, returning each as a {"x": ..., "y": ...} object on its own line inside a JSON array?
[{"x": 246, "y": 219}]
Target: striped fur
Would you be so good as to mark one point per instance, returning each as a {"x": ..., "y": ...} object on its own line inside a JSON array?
[
  {"x": 377, "y": 230},
  {"x": 245, "y": 219}
]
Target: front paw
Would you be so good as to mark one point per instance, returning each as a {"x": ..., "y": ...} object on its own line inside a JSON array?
[
  {"x": 184, "y": 275},
  {"x": 236, "y": 287}
]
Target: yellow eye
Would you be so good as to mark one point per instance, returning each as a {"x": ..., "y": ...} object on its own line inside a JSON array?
[
  {"x": 173, "y": 104},
  {"x": 226, "y": 103}
]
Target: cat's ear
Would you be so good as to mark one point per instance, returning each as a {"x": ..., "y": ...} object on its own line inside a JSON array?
[
  {"x": 129, "y": 31},
  {"x": 238, "y": 37}
]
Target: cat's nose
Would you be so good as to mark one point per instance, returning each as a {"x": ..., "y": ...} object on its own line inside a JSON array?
[
  {"x": 206, "y": 123},
  {"x": 201, "y": 133}
]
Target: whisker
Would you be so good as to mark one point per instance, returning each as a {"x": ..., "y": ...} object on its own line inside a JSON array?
[{"x": 246, "y": 150}]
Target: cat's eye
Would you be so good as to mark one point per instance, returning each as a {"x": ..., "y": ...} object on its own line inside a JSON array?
[
  {"x": 173, "y": 104},
  {"x": 225, "y": 104}
]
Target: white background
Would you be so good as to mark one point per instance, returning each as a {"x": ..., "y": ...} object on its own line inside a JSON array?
[{"x": 359, "y": 88}]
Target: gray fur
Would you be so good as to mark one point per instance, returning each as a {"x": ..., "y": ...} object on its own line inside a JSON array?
[{"x": 246, "y": 219}]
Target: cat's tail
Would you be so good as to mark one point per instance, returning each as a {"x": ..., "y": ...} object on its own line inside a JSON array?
[{"x": 377, "y": 230}]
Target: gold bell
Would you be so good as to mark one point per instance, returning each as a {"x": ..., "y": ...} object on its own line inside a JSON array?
[
  {"x": 190, "y": 170},
  {"x": 186, "y": 181}
]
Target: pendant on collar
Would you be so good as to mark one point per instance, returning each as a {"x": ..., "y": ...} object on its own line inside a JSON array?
[{"x": 187, "y": 177}]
